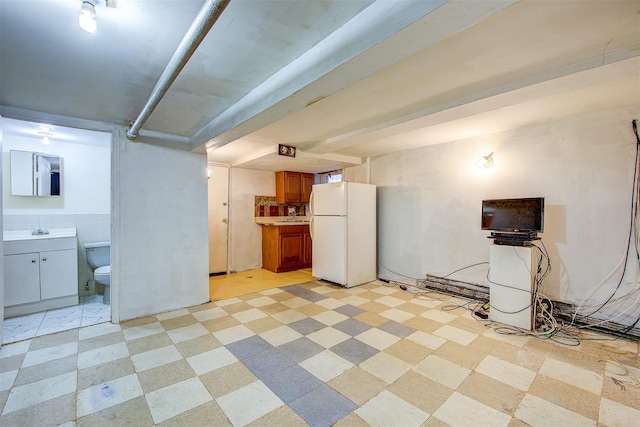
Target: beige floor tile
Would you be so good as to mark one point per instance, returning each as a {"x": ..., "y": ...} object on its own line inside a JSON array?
[
  {"x": 280, "y": 335},
  {"x": 439, "y": 316},
  {"x": 408, "y": 351},
  {"x": 205, "y": 415},
  {"x": 164, "y": 404},
  {"x": 377, "y": 338},
  {"x": 490, "y": 392},
  {"x": 106, "y": 395},
  {"x": 227, "y": 379},
  {"x": 237, "y": 307},
  {"x": 102, "y": 355},
  {"x": 141, "y": 331},
  {"x": 210, "y": 314},
  {"x": 211, "y": 360},
  {"x": 566, "y": 395},
  {"x": 328, "y": 337},
  {"x": 630, "y": 396},
  {"x": 282, "y": 416},
  {"x": 506, "y": 372},
  {"x": 424, "y": 339},
  {"x": 311, "y": 310},
  {"x": 329, "y": 317},
  {"x": 102, "y": 340},
  {"x": 541, "y": 413},
  {"x": 433, "y": 421},
  {"x": 423, "y": 324},
  {"x": 372, "y": 306},
  {"x": 371, "y": 319},
  {"x": 41, "y": 371},
  {"x": 397, "y": 315},
  {"x": 571, "y": 374},
  {"x": 249, "y": 315},
  {"x": 296, "y": 302},
  {"x": 198, "y": 345},
  {"x": 56, "y": 339},
  {"x": 260, "y": 300},
  {"x": 451, "y": 413},
  {"x": 386, "y": 367},
  {"x": 517, "y": 340},
  {"x": 358, "y": 385},
  {"x": 387, "y": 409},
  {"x": 220, "y": 324},
  {"x": 133, "y": 412},
  {"x": 180, "y": 316},
  {"x": 457, "y": 335},
  {"x": 186, "y": 319},
  {"x": 104, "y": 372},
  {"x": 7, "y": 380},
  {"x": 187, "y": 333},
  {"x": 614, "y": 414},
  {"x": 165, "y": 375},
  {"x": 420, "y": 391},
  {"x": 527, "y": 356},
  {"x": 288, "y": 316},
  {"x": 443, "y": 371},
  {"x": 235, "y": 404},
  {"x": 274, "y": 308},
  {"x": 326, "y": 365},
  {"x": 467, "y": 356},
  {"x": 579, "y": 359},
  {"x": 262, "y": 325},
  {"x": 98, "y": 330},
  {"x": 56, "y": 411},
  {"x": 138, "y": 322},
  {"x": 233, "y": 334},
  {"x": 351, "y": 420},
  {"x": 356, "y": 301},
  {"x": 148, "y": 343},
  {"x": 154, "y": 358},
  {"x": 390, "y": 301}
]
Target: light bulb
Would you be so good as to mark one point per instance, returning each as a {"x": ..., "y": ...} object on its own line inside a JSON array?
[
  {"x": 87, "y": 18},
  {"x": 45, "y": 140}
]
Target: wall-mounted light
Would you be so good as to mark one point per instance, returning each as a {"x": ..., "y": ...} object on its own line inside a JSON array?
[
  {"x": 45, "y": 137},
  {"x": 485, "y": 161},
  {"x": 87, "y": 18}
]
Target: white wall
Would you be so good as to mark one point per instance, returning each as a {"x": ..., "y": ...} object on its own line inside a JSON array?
[
  {"x": 86, "y": 183},
  {"x": 159, "y": 241},
  {"x": 429, "y": 202},
  {"x": 245, "y": 236}
]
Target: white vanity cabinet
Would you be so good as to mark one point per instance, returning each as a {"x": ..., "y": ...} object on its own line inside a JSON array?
[{"x": 40, "y": 272}]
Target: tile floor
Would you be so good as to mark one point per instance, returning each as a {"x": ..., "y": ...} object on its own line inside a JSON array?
[
  {"x": 315, "y": 354},
  {"x": 89, "y": 311}
]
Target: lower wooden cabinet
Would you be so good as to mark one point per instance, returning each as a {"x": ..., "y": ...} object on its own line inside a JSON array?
[{"x": 286, "y": 247}]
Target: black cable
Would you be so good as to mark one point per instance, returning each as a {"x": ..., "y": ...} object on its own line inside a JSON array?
[
  {"x": 634, "y": 207},
  {"x": 464, "y": 268},
  {"x": 401, "y": 275}
]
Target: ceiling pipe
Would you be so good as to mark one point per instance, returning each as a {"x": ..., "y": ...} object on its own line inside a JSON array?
[{"x": 208, "y": 15}]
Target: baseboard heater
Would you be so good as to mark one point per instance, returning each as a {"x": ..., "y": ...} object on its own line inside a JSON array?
[{"x": 561, "y": 310}]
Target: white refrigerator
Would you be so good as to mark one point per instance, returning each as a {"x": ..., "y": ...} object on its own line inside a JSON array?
[{"x": 343, "y": 232}]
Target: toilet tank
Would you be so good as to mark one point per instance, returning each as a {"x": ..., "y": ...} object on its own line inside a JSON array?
[{"x": 98, "y": 254}]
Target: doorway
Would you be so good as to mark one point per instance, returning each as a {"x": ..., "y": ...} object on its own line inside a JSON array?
[{"x": 218, "y": 196}]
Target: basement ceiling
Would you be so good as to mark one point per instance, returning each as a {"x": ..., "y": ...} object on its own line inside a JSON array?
[{"x": 340, "y": 80}]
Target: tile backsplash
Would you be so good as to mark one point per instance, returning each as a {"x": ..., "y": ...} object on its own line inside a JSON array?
[{"x": 267, "y": 206}]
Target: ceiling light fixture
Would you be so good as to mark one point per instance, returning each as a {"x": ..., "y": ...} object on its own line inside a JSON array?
[
  {"x": 87, "y": 18},
  {"x": 485, "y": 161}
]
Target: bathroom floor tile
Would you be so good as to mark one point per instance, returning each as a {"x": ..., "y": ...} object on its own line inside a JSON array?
[
  {"x": 27, "y": 395},
  {"x": 105, "y": 395}
]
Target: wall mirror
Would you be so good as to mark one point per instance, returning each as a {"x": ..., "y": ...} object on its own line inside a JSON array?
[{"x": 35, "y": 174}]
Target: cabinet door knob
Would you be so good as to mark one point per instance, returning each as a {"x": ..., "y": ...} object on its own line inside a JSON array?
[
  {"x": 44, "y": 259},
  {"x": 33, "y": 261}
]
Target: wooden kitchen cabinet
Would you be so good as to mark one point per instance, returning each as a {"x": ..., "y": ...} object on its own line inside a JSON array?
[
  {"x": 293, "y": 187},
  {"x": 286, "y": 247}
]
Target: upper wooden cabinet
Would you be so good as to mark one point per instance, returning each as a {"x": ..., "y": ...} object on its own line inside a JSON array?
[{"x": 293, "y": 187}]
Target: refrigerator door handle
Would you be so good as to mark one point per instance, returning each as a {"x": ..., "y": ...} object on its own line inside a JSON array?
[
  {"x": 311, "y": 198},
  {"x": 311, "y": 227}
]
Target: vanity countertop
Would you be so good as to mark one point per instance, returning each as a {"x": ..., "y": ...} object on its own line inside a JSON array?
[
  {"x": 281, "y": 220},
  {"x": 54, "y": 233}
]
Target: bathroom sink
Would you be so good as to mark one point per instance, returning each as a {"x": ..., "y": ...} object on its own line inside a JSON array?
[{"x": 53, "y": 233}]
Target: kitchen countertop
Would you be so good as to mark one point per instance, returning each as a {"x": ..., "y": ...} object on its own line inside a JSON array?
[{"x": 281, "y": 220}]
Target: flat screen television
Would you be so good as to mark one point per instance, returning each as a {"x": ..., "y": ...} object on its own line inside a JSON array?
[{"x": 525, "y": 215}]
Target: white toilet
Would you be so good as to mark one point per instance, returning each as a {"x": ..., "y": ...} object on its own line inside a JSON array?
[{"x": 99, "y": 258}]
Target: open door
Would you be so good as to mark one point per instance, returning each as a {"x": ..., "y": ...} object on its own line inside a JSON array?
[{"x": 218, "y": 219}]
